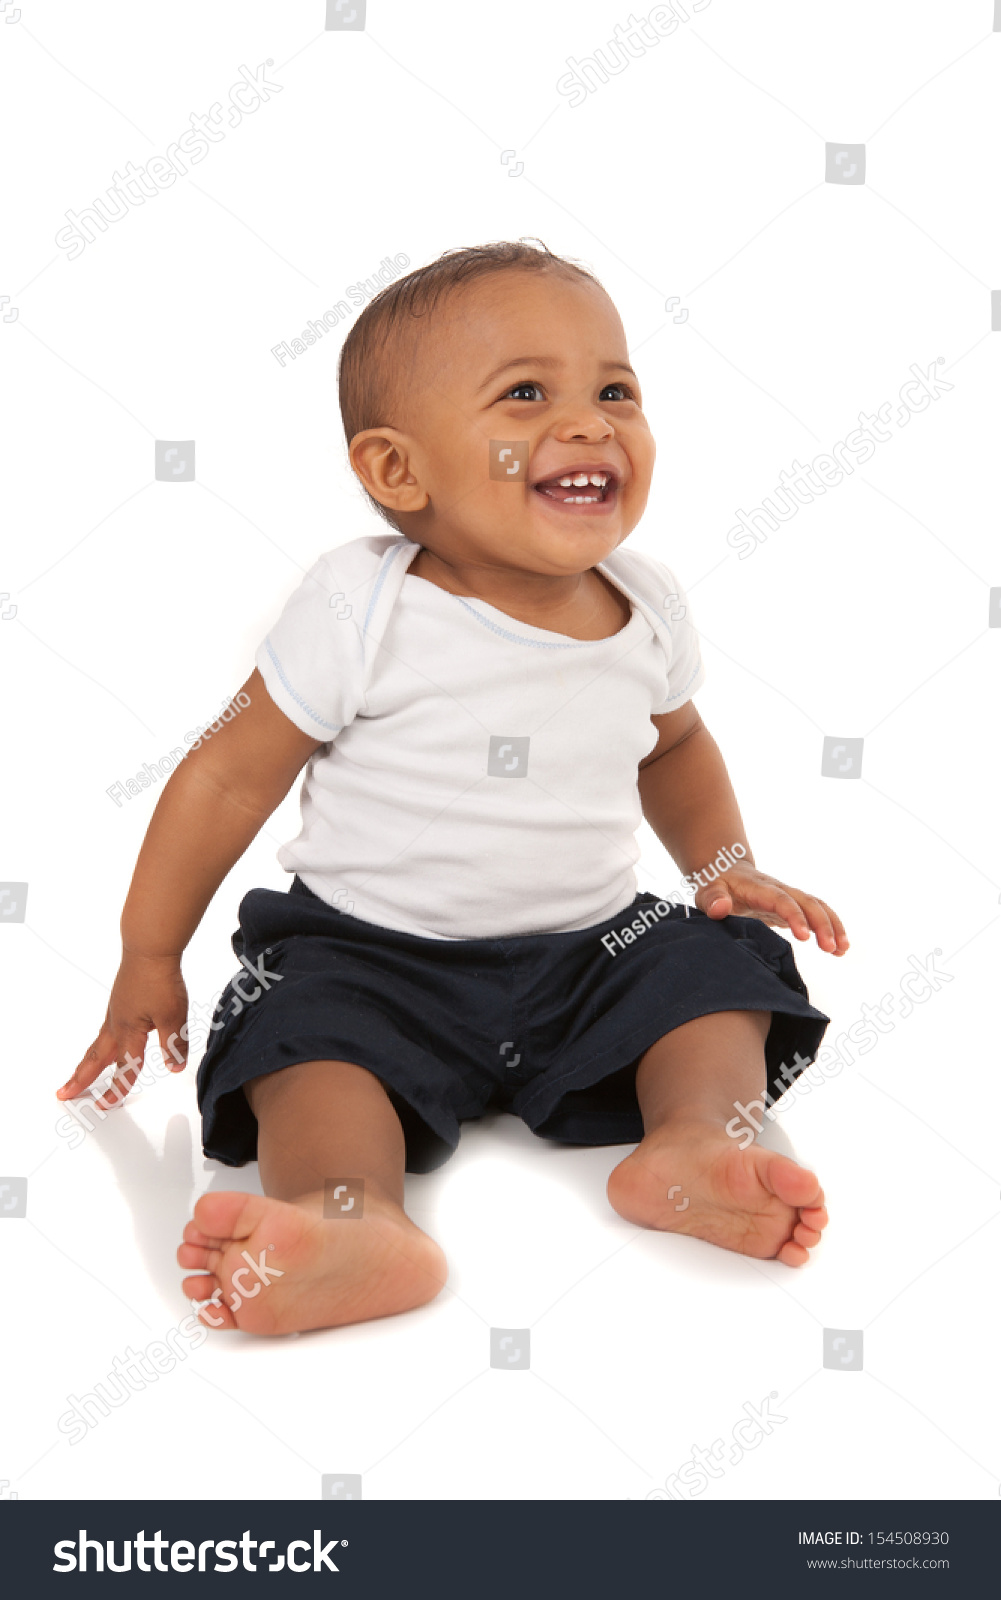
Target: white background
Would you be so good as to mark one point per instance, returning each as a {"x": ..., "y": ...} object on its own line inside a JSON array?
[{"x": 699, "y": 171}]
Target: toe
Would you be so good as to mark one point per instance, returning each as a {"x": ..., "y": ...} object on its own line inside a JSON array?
[
  {"x": 805, "y": 1236},
  {"x": 192, "y": 1255},
  {"x": 200, "y": 1287},
  {"x": 193, "y": 1235},
  {"x": 210, "y": 1316},
  {"x": 796, "y": 1185},
  {"x": 793, "y": 1254},
  {"x": 215, "y": 1315},
  {"x": 814, "y": 1216},
  {"x": 228, "y": 1214}
]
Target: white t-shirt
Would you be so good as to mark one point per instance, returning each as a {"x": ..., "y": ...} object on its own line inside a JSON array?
[{"x": 478, "y": 777}]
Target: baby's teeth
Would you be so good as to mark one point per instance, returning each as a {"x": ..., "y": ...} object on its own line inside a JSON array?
[{"x": 583, "y": 480}]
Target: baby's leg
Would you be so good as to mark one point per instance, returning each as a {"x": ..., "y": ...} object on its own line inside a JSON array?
[
  {"x": 320, "y": 1123},
  {"x": 687, "y": 1175}
]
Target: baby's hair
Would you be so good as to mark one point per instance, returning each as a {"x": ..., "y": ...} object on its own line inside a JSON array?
[{"x": 381, "y": 346}]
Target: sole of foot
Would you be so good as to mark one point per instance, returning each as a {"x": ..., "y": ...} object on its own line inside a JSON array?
[
  {"x": 308, "y": 1271},
  {"x": 754, "y": 1201}
]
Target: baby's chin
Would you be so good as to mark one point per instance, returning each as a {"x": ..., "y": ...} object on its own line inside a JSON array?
[
  {"x": 571, "y": 543},
  {"x": 530, "y": 539},
  {"x": 546, "y": 560}
]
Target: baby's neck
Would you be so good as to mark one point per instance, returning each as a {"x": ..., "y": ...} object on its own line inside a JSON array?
[{"x": 582, "y": 606}]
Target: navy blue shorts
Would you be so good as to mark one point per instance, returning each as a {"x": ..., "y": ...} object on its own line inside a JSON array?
[{"x": 548, "y": 1026}]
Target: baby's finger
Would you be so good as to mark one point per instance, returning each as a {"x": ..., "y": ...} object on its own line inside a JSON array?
[
  {"x": 841, "y": 937},
  {"x": 102, "y": 1053},
  {"x": 775, "y": 898},
  {"x": 715, "y": 900},
  {"x": 173, "y": 1046},
  {"x": 819, "y": 919},
  {"x": 121, "y": 1083}
]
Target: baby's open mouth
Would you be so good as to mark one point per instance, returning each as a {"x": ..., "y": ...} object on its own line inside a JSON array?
[{"x": 578, "y": 488}]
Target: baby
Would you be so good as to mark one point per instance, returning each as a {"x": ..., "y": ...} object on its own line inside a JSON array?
[{"x": 487, "y": 701}]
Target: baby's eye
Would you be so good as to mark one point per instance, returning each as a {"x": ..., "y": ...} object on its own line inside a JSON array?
[
  {"x": 513, "y": 394},
  {"x": 623, "y": 392}
]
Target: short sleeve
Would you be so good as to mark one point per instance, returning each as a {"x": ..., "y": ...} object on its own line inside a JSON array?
[
  {"x": 686, "y": 671},
  {"x": 664, "y": 603},
  {"x": 312, "y": 659}
]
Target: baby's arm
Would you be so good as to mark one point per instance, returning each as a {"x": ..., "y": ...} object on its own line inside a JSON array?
[
  {"x": 689, "y": 802},
  {"x": 211, "y": 808}
]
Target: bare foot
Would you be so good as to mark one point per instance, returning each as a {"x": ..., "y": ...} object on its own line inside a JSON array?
[
  {"x": 279, "y": 1268},
  {"x": 753, "y": 1201}
]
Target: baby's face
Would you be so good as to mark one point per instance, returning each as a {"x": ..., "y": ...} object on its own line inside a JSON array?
[{"x": 536, "y": 362}]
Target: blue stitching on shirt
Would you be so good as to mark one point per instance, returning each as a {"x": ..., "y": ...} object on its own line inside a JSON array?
[
  {"x": 387, "y": 562},
  {"x": 698, "y": 666},
  {"x": 643, "y": 601},
  {"x": 334, "y": 727},
  {"x": 698, "y": 669},
  {"x": 517, "y": 638}
]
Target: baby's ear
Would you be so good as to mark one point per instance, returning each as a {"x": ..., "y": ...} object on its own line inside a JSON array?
[{"x": 381, "y": 459}]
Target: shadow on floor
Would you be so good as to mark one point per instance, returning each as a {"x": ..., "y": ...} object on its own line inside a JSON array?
[{"x": 161, "y": 1189}]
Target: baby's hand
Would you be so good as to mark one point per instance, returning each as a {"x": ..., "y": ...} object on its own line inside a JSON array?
[
  {"x": 148, "y": 993},
  {"x": 743, "y": 891}
]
